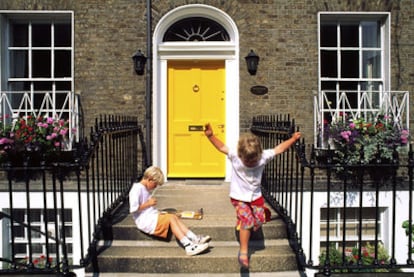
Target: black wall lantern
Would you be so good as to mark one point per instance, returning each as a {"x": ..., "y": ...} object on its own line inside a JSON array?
[
  {"x": 139, "y": 62},
  {"x": 252, "y": 61}
]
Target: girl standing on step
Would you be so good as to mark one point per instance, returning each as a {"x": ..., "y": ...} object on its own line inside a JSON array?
[
  {"x": 248, "y": 162},
  {"x": 149, "y": 220}
]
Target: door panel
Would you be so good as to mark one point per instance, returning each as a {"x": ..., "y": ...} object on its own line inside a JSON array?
[{"x": 195, "y": 96}]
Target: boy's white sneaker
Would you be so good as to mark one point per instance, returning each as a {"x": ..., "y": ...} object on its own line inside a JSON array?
[
  {"x": 195, "y": 248},
  {"x": 201, "y": 239}
]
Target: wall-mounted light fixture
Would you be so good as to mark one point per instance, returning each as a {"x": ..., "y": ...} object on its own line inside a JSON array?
[
  {"x": 139, "y": 62},
  {"x": 252, "y": 61}
]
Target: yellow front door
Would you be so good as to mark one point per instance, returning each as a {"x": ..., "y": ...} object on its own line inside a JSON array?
[{"x": 195, "y": 96}]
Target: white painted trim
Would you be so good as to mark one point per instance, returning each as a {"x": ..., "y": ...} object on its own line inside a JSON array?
[{"x": 162, "y": 52}]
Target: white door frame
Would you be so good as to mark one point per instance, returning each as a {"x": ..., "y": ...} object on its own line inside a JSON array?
[{"x": 216, "y": 50}]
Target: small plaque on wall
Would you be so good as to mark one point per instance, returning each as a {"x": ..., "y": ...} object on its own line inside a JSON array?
[{"x": 259, "y": 90}]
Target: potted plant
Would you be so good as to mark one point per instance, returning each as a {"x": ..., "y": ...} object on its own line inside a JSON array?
[
  {"x": 29, "y": 139},
  {"x": 360, "y": 142}
]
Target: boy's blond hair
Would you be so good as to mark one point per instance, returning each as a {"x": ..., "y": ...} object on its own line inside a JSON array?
[
  {"x": 249, "y": 147},
  {"x": 155, "y": 174}
]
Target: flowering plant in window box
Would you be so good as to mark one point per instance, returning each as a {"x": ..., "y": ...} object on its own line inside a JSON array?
[
  {"x": 360, "y": 141},
  {"x": 38, "y": 262},
  {"x": 27, "y": 138},
  {"x": 352, "y": 258}
]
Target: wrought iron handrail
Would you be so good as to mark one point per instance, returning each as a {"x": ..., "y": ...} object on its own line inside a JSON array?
[
  {"x": 98, "y": 177},
  {"x": 299, "y": 184}
]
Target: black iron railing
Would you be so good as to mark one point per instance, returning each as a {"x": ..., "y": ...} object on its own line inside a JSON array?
[
  {"x": 57, "y": 211},
  {"x": 339, "y": 224}
]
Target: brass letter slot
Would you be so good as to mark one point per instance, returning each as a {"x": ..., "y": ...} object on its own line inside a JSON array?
[{"x": 195, "y": 128}]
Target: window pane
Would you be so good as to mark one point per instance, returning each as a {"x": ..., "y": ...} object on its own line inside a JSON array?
[
  {"x": 62, "y": 63},
  {"x": 35, "y": 215},
  {"x": 62, "y": 35},
  {"x": 329, "y": 64},
  {"x": 41, "y": 63},
  {"x": 51, "y": 215},
  {"x": 328, "y": 35},
  {"x": 18, "y": 215},
  {"x": 41, "y": 35},
  {"x": 20, "y": 248},
  {"x": 36, "y": 232},
  {"x": 19, "y": 35},
  {"x": 68, "y": 231},
  {"x": 19, "y": 86},
  {"x": 371, "y": 86},
  {"x": 43, "y": 86},
  {"x": 18, "y": 231},
  {"x": 348, "y": 86},
  {"x": 349, "y": 35},
  {"x": 349, "y": 64},
  {"x": 371, "y": 34},
  {"x": 68, "y": 215},
  {"x": 63, "y": 86},
  {"x": 18, "y": 64},
  {"x": 37, "y": 248},
  {"x": 371, "y": 64}
]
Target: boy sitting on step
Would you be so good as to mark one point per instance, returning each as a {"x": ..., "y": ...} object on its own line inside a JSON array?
[{"x": 149, "y": 220}]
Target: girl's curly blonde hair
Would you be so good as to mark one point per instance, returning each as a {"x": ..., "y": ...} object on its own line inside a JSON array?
[{"x": 249, "y": 147}]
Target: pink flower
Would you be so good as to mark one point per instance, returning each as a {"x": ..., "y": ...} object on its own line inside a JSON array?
[
  {"x": 49, "y": 120},
  {"x": 43, "y": 125},
  {"x": 345, "y": 135},
  {"x": 51, "y": 136},
  {"x": 5, "y": 141},
  {"x": 63, "y": 132}
]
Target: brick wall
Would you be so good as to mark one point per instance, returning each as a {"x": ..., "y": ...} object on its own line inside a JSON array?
[{"x": 282, "y": 32}]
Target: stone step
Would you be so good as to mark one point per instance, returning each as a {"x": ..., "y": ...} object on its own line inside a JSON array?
[
  {"x": 153, "y": 257},
  {"x": 126, "y": 250},
  {"x": 238, "y": 274},
  {"x": 275, "y": 229}
]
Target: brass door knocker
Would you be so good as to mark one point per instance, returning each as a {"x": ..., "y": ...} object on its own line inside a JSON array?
[{"x": 196, "y": 88}]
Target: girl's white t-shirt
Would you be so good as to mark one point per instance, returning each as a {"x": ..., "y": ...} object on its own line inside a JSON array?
[
  {"x": 146, "y": 220},
  {"x": 245, "y": 182}
]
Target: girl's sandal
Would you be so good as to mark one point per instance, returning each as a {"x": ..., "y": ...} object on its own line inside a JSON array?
[{"x": 243, "y": 260}]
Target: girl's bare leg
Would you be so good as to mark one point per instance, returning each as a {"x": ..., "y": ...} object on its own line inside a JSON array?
[{"x": 244, "y": 240}]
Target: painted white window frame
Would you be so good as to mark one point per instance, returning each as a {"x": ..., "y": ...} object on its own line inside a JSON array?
[
  {"x": 336, "y": 221},
  {"x": 68, "y": 109},
  {"x": 369, "y": 103},
  {"x": 41, "y": 240}
]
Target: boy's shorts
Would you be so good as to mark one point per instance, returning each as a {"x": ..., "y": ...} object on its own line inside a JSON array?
[
  {"x": 163, "y": 225},
  {"x": 249, "y": 214}
]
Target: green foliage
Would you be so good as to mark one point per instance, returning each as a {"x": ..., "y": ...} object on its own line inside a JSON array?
[
  {"x": 406, "y": 226},
  {"x": 357, "y": 140},
  {"x": 352, "y": 257},
  {"x": 28, "y": 133}
]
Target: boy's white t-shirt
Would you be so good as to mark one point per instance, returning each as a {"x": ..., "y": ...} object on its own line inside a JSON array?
[
  {"x": 245, "y": 183},
  {"x": 146, "y": 220}
]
